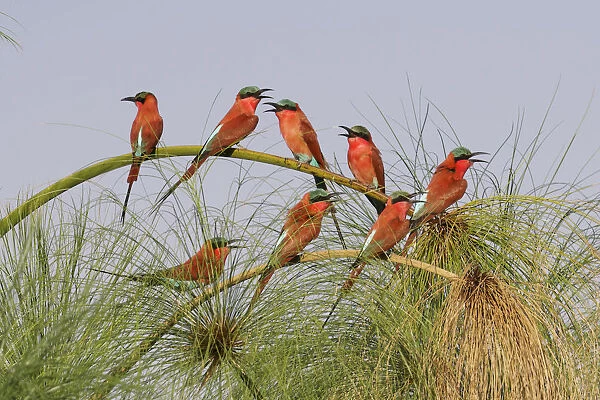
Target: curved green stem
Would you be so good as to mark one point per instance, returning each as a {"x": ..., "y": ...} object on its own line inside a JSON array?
[{"x": 102, "y": 167}]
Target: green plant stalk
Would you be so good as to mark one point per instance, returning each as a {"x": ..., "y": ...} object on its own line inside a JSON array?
[
  {"x": 102, "y": 167},
  {"x": 146, "y": 344},
  {"x": 7, "y": 36}
]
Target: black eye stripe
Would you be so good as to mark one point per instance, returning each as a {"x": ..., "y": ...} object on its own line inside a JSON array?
[{"x": 243, "y": 96}]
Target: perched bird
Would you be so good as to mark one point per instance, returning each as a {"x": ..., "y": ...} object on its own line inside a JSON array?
[
  {"x": 364, "y": 160},
  {"x": 390, "y": 227},
  {"x": 299, "y": 135},
  {"x": 146, "y": 131},
  {"x": 238, "y": 123},
  {"x": 302, "y": 225},
  {"x": 447, "y": 185},
  {"x": 203, "y": 267},
  {"x": 301, "y": 139}
]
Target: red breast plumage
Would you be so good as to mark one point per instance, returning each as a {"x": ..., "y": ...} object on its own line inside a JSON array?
[
  {"x": 302, "y": 226},
  {"x": 390, "y": 227},
  {"x": 146, "y": 131},
  {"x": 447, "y": 185},
  {"x": 298, "y": 133},
  {"x": 364, "y": 161},
  {"x": 203, "y": 267},
  {"x": 301, "y": 138},
  {"x": 238, "y": 123}
]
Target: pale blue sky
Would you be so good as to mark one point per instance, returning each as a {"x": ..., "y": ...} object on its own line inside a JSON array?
[{"x": 480, "y": 64}]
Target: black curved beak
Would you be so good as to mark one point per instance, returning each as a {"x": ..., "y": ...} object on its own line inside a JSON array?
[
  {"x": 349, "y": 134},
  {"x": 128, "y": 99},
  {"x": 410, "y": 198},
  {"x": 477, "y": 153},
  {"x": 413, "y": 198},
  {"x": 335, "y": 196},
  {"x": 331, "y": 197},
  {"x": 276, "y": 107},
  {"x": 260, "y": 94},
  {"x": 230, "y": 241}
]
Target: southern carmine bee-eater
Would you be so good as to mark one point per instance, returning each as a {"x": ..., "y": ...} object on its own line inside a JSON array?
[
  {"x": 301, "y": 139},
  {"x": 364, "y": 161},
  {"x": 390, "y": 227},
  {"x": 203, "y": 267},
  {"x": 299, "y": 135},
  {"x": 302, "y": 226},
  {"x": 146, "y": 131},
  {"x": 238, "y": 123},
  {"x": 446, "y": 187}
]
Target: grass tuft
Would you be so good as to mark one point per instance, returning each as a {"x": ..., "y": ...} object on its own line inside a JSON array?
[{"x": 486, "y": 343}]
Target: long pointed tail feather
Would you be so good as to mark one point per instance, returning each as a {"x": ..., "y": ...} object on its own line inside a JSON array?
[
  {"x": 337, "y": 227},
  {"x": 134, "y": 172},
  {"x": 320, "y": 183},
  {"x": 164, "y": 197},
  {"x": 147, "y": 279},
  {"x": 332, "y": 309},
  {"x": 379, "y": 205},
  {"x": 266, "y": 276},
  {"x": 196, "y": 163},
  {"x": 125, "y": 202},
  {"x": 357, "y": 268},
  {"x": 264, "y": 279},
  {"x": 130, "y": 277}
]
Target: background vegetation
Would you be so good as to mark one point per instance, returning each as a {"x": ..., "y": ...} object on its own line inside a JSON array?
[{"x": 521, "y": 321}]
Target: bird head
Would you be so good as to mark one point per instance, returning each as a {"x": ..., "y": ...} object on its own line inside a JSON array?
[
  {"x": 356, "y": 131},
  {"x": 283, "y": 104},
  {"x": 404, "y": 200},
  {"x": 220, "y": 242},
  {"x": 139, "y": 98},
  {"x": 459, "y": 161},
  {"x": 318, "y": 195},
  {"x": 253, "y": 91},
  {"x": 462, "y": 153},
  {"x": 318, "y": 201},
  {"x": 401, "y": 195}
]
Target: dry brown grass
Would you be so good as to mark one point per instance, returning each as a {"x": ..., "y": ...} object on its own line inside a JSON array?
[{"x": 488, "y": 344}]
